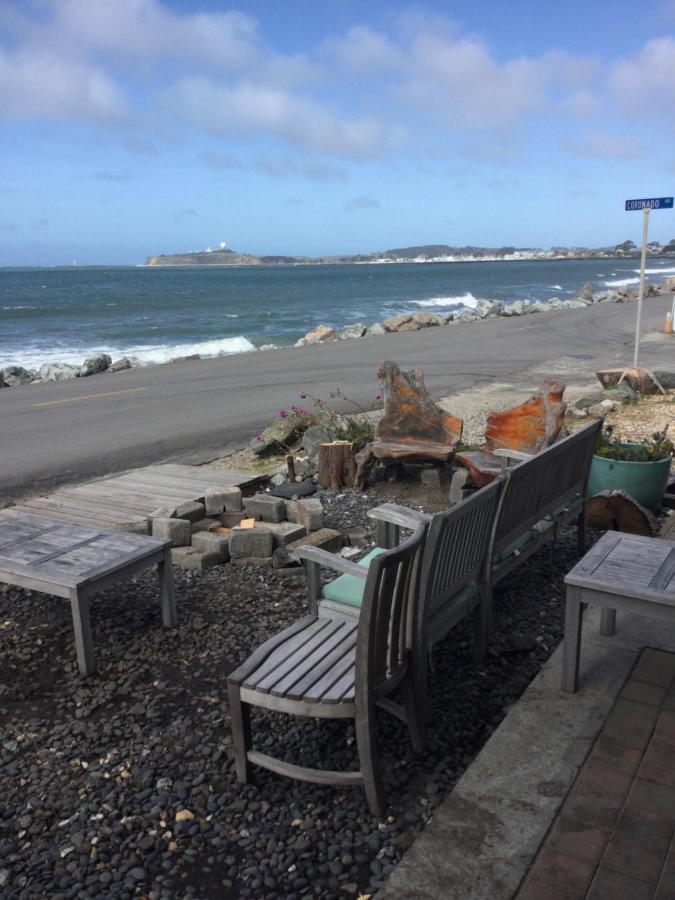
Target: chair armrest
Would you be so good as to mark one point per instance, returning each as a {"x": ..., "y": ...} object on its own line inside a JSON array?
[
  {"x": 399, "y": 515},
  {"x": 329, "y": 560}
]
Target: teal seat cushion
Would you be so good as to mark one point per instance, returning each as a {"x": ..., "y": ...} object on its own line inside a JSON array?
[
  {"x": 513, "y": 548},
  {"x": 348, "y": 589}
]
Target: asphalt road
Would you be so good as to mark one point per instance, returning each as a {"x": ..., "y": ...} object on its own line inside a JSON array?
[{"x": 74, "y": 430}]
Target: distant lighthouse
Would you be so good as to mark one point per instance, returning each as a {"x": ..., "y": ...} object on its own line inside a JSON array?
[{"x": 223, "y": 245}]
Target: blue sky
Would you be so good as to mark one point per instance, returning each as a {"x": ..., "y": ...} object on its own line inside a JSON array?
[{"x": 138, "y": 127}]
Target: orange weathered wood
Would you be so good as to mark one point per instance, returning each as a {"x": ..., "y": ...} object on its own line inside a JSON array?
[
  {"x": 411, "y": 416},
  {"x": 413, "y": 427},
  {"x": 529, "y": 427}
]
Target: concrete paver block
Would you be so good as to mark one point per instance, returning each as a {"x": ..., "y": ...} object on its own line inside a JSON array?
[
  {"x": 251, "y": 542},
  {"x": 310, "y": 514},
  {"x": 195, "y": 560},
  {"x": 175, "y": 530},
  {"x": 325, "y": 538},
  {"x": 225, "y": 499},
  {"x": 191, "y": 510},
  {"x": 207, "y": 542},
  {"x": 262, "y": 506},
  {"x": 285, "y": 532}
]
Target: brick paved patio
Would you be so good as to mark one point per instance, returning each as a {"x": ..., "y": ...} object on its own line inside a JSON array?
[{"x": 614, "y": 836}]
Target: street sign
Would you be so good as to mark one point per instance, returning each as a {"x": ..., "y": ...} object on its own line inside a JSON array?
[
  {"x": 653, "y": 203},
  {"x": 646, "y": 206}
]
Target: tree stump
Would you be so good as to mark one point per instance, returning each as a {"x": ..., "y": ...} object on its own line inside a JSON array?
[
  {"x": 618, "y": 511},
  {"x": 337, "y": 466}
]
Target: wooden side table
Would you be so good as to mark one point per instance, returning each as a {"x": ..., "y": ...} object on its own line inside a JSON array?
[
  {"x": 75, "y": 561},
  {"x": 620, "y": 572}
]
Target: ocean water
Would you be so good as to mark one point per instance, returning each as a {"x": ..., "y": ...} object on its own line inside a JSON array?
[{"x": 65, "y": 314}]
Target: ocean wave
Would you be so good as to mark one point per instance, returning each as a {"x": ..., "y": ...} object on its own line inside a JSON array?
[
  {"x": 164, "y": 352},
  {"x": 555, "y": 287},
  {"x": 8, "y": 308},
  {"x": 622, "y": 282},
  {"x": 663, "y": 270},
  {"x": 34, "y": 357},
  {"x": 467, "y": 300}
]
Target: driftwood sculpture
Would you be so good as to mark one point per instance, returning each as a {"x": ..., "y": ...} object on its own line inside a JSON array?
[
  {"x": 528, "y": 428},
  {"x": 413, "y": 428}
]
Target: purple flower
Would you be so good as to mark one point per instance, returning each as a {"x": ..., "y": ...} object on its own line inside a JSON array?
[
  {"x": 258, "y": 437},
  {"x": 282, "y": 413},
  {"x": 303, "y": 395},
  {"x": 378, "y": 396},
  {"x": 294, "y": 408}
]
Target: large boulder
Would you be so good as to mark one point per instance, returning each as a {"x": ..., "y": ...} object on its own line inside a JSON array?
[
  {"x": 669, "y": 283},
  {"x": 376, "y": 329},
  {"x": 425, "y": 319},
  {"x": 14, "y": 375},
  {"x": 58, "y": 372},
  {"x": 314, "y": 437},
  {"x": 349, "y": 332},
  {"x": 95, "y": 364},
  {"x": 277, "y": 436},
  {"x": 120, "y": 364},
  {"x": 585, "y": 293},
  {"x": 320, "y": 335},
  {"x": 401, "y": 322}
]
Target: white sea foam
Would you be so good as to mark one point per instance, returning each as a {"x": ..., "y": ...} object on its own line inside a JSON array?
[
  {"x": 468, "y": 300},
  {"x": 34, "y": 357},
  {"x": 556, "y": 287},
  {"x": 622, "y": 282},
  {"x": 163, "y": 353},
  {"x": 662, "y": 270}
]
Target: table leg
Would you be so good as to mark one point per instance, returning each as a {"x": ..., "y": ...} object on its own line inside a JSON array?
[
  {"x": 165, "y": 573},
  {"x": 84, "y": 644},
  {"x": 607, "y": 621},
  {"x": 572, "y": 641}
]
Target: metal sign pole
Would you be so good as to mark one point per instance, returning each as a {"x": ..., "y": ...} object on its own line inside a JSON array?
[{"x": 641, "y": 291}]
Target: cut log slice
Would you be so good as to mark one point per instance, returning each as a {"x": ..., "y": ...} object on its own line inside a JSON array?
[
  {"x": 483, "y": 466},
  {"x": 619, "y": 511}
]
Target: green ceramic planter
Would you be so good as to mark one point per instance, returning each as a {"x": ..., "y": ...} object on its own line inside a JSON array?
[{"x": 646, "y": 481}]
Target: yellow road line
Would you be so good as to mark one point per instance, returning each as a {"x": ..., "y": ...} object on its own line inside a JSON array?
[{"x": 90, "y": 397}]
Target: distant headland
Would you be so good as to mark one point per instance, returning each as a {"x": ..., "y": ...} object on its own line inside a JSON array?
[{"x": 424, "y": 253}]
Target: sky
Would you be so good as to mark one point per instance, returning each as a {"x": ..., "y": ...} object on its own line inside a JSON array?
[{"x": 131, "y": 128}]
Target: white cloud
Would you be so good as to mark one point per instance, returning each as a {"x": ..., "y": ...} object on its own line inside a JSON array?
[
  {"x": 247, "y": 108},
  {"x": 647, "y": 80},
  {"x": 38, "y": 83},
  {"x": 363, "y": 50},
  {"x": 147, "y": 30}
]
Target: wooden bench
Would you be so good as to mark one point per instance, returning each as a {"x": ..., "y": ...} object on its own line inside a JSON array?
[
  {"x": 413, "y": 428},
  {"x": 332, "y": 667},
  {"x": 527, "y": 428},
  {"x": 74, "y": 562},
  {"x": 528, "y": 503}
]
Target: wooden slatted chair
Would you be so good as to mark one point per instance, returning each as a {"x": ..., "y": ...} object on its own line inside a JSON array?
[
  {"x": 332, "y": 667},
  {"x": 455, "y": 573}
]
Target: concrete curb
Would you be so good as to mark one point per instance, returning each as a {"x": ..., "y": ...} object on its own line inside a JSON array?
[{"x": 484, "y": 836}]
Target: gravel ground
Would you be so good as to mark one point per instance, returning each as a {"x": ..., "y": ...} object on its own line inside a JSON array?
[{"x": 122, "y": 785}]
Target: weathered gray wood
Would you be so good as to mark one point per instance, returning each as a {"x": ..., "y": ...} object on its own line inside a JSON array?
[
  {"x": 331, "y": 560},
  {"x": 166, "y": 590},
  {"x": 572, "y": 640},
  {"x": 84, "y": 645},
  {"x": 63, "y": 516},
  {"x": 336, "y": 667},
  {"x": 622, "y": 572},
  {"x": 74, "y": 561},
  {"x": 82, "y": 507}
]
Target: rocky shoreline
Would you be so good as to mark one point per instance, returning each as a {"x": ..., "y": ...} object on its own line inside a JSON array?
[{"x": 11, "y": 376}]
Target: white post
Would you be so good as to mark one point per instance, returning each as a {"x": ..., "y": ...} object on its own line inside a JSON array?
[{"x": 641, "y": 291}]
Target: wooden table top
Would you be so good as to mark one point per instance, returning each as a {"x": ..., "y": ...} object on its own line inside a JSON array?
[
  {"x": 630, "y": 565},
  {"x": 65, "y": 556}
]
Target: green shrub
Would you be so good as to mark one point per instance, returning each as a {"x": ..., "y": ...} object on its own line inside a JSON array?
[{"x": 659, "y": 447}]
